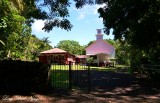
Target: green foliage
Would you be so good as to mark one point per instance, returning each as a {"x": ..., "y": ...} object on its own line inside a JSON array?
[
  {"x": 134, "y": 20},
  {"x": 11, "y": 27},
  {"x": 123, "y": 50},
  {"x": 137, "y": 22},
  {"x": 15, "y": 32},
  {"x": 90, "y": 43},
  {"x": 55, "y": 15},
  {"x": 71, "y": 46},
  {"x": 15, "y": 18},
  {"x": 33, "y": 47},
  {"x": 90, "y": 60},
  {"x": 2, "y": 42},
  {"x": 23, "y": 46}
]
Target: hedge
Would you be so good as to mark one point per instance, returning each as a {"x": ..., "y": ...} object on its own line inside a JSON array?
[{"x": 23, "y": 76}]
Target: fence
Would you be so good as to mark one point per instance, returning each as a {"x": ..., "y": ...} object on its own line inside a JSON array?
[
  {"x": 152, "y": 71},
  {"x": 70, "y": 76}
]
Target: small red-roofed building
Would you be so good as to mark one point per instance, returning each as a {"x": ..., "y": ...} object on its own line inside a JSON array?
[
  {"x": 100, "y": 50},
  {"x": 81, "y": 59},
  {"x": 56, "y": 55}
]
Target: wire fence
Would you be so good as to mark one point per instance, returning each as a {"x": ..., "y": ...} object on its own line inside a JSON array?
[
  {"x": 70, "y": 76},
  {"x": 151, "y": 71}
]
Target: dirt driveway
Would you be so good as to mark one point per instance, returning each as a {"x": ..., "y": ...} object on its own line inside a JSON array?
[{"x": 107, "y": 87}]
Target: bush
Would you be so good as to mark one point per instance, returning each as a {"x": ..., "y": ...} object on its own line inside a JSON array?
[{"x": 22, "y": 76}]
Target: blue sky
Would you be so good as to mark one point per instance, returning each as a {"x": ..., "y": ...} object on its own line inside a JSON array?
[{"x": 85, "y": 21}]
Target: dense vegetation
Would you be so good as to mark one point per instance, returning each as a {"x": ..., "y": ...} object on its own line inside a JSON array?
[
  {"x": 21, "y": 76},
  {"x": 16, "y": 40}
]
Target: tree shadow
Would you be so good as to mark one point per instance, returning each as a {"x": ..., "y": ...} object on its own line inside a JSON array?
[
  {"x": 122, "y": 84},
  {"x": 106, "y": 87},
  {"x": 110, "y": 86}
]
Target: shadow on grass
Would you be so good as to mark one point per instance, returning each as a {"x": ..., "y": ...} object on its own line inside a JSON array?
[{"x": 59, "y": 79}]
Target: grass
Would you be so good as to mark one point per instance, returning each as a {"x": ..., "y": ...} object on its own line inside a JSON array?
[
  {"x": 66, "y": 67},
  {"x": 60, "y": 73},
  {"x": 59, "y": 78},
  {"x": 102, "y": 68}
]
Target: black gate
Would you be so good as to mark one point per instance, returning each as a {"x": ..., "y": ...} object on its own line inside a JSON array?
[{"x": 72, "y": 76}]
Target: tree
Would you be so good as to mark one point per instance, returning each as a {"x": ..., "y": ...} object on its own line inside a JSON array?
[
  {"x": 11, "y": 26},
  {"x": 71, "y": 46},
  {"x": 33, "y": 46},
  {"x": 15, "y": 31},
  {"x": 55, "y": 13},
  {"x": 136, "y": 21}
]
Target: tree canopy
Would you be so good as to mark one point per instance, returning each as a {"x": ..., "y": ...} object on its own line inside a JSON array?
[
  {"x": 137, "y": 21},
  {"x": 16, "y": 40},
  {"x": 71, "y": 46}
]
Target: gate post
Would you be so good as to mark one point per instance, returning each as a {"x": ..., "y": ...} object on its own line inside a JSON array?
[
  {"x": 50, "y": 79},
  {"x": 70, "y": 75},
  {"x": 89, "y": 79}
]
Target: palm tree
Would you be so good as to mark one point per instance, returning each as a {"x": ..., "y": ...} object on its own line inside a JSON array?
[{"x": 45, "y": 40}]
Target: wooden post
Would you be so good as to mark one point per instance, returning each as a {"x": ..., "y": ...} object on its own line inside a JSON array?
[
  {"x": 89, "y": 79},
  {"x": 70, "y": 75},
  {"x": 98, "y": 59}
]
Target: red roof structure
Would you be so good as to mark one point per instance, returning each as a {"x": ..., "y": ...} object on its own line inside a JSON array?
[
  {"x": 81, "y": 56},
  {"x": 54, "y": 50},
  {"x": 56, "y": 55},
  {"x": 81, "y": 59}
]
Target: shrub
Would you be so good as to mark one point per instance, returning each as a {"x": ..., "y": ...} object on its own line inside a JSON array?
[{"x": 16, "y": 75}]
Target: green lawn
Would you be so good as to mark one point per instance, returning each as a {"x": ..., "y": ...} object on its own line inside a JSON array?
[
  {"x": 59, "y": 74},
  {"x": 59, "y": 78},
  {"x": 66, "y": 67}
]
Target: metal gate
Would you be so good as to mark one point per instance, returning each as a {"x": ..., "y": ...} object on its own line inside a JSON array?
[{"x": 72, "y": 76}]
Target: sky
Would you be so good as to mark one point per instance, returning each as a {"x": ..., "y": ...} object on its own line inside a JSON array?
[{"x": 85, "y": 21}]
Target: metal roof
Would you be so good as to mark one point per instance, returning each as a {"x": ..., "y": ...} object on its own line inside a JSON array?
[
  {"x": 99, "y": 46},
  {"x": 54, "y": 50}
]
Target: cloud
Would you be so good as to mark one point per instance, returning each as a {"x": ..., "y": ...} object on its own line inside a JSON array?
[
  {"x": 87, "y": 10},
  {"x": 38, "y": 25},
  {"x": 81, "y": 16}
]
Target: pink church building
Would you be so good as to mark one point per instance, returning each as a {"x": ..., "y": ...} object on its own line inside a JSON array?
[{"x": 100, "y": 50}]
